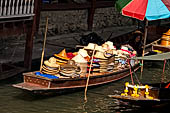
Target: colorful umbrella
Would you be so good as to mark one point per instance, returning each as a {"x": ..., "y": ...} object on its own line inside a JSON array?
[{"x": 140, "y": 9}]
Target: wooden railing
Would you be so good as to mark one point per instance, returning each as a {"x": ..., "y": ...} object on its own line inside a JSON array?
[{"x": 16, "y": 8}]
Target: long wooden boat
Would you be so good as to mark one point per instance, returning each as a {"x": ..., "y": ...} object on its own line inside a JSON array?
[
  {"x": 159, "y": 93},
  {"x": 41, "y": 85}
]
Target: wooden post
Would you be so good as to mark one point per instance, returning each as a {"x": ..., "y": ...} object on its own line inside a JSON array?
[
  {"x": 29, "y": 41},
  {"x": 38, "y": 11},
  {"x": 144, "y": 44},
  {"x": 91, "y": 12},
  {"x": 1, "y": 7}
]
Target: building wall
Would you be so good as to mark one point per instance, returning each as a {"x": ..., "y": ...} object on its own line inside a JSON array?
[{"x": 62, "y": 22}]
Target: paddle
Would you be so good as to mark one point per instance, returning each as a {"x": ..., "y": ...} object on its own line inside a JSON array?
[{"x": 85, "y": 92}]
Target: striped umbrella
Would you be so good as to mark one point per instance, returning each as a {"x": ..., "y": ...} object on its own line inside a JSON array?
[{"x": 141, "y": 9}]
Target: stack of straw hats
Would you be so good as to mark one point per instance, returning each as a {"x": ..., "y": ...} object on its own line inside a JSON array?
[
  {"x": 51, "y": 67},
  {"x": 70, "y": 69},
  {"x": 166, "y": 38},
  {"x": 99, "y": 63},
  {"x": 81, "y": 61}
]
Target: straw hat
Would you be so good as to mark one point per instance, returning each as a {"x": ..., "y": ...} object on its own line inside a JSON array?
[
  {"x": 51, "y": 62},
  {"x": 110, "y": 44},
  {"x": 83, "y": 53},
  {"x": 168, "y": 32},
  {"x": 110, "y": 53},
  {"x": 121, "y": 56},
  {"x": 125, "y": 50},
  {"x": 137, "y": 32},
  {"x": 105, "y": 47},
  {"x": 70, "y": 64},
  {"x": 79, "y": 59},
  {"x": 91, "y": 46},
  {"x": 49, "y": 69},
  {"x": 100, "y": 55},
  {"x": 62, "y": 55},
  {"x": 51, "y": 73},
  {"x": 99, "y": 48}
]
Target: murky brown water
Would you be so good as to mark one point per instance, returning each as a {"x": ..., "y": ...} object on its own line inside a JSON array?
[{"x": 13, "y": 100}]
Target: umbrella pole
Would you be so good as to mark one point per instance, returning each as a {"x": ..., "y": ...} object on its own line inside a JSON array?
[
  {"x": 45, "y": 37},
  {"x": 144, "y": 44}
]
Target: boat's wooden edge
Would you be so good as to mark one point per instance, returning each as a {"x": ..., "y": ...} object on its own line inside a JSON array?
[
  {"x": 36, "y": 87},
  {"x": 131, "y": 98},
  {"x": 28, "y": 86},
  {"x": 32, "y": 74}
]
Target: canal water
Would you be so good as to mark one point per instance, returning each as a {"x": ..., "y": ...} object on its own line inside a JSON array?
[{"x": 13, "y": 100}]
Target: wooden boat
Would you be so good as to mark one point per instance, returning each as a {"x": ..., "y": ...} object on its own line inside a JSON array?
[
  {"x": 41, "y": 85},
  {"x": 159, "y": 95},
  {"x": 150, "y": 95}
]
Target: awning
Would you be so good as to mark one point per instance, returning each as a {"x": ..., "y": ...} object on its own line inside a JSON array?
[{"x": 157, "y": 57}]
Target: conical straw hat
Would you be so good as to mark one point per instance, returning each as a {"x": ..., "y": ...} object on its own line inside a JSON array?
[
  {"x": 62, "y": 55},
  {"x": 168, "y": 32}
]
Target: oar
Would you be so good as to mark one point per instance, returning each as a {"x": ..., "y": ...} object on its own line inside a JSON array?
[
  {"x": 87, "y": 83},
  {"x": 45, "y": 37}
]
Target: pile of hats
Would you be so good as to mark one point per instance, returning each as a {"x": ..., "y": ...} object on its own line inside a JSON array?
[
  {"x": 78, "y": 63},
  {"x": 166, "y": 38},
  {"x": 51, "y": 67},
  {"x": 100, "y": 61},
  {"x": 81, "y": 60},
  {"x": 70, "y": 69}
]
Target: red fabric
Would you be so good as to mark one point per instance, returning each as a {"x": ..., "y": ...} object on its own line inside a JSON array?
[
  {"x": 167, "y": 3},
  {"x": 125, "y": 50},
  {"x": 136, "y": 9},
  {"x": 70, "y": 55}
]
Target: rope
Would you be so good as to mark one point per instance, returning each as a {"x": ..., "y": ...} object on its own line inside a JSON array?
[
  {"x": 163, "y": 71},
  {"x": 131, "y": 72}
]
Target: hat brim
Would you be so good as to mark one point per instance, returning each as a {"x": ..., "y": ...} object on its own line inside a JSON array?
[
  {"x": 47, "y": 63},
  {"x": 50, "y": 70},
  {"x": 51, "y": 73}
]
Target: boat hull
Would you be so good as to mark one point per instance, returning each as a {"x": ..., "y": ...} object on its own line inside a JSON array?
[
  {"x": 159, "y": 91},
  {"x": 40, "y": 85}
]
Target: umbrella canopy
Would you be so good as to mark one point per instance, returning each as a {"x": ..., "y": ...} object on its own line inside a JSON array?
[
  {"x": 121, "y": 3},
  {"x": 141, "y": 9}
]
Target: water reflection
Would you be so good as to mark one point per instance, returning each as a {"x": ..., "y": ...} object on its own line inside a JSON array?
[{"x": 16, "y": 101}]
